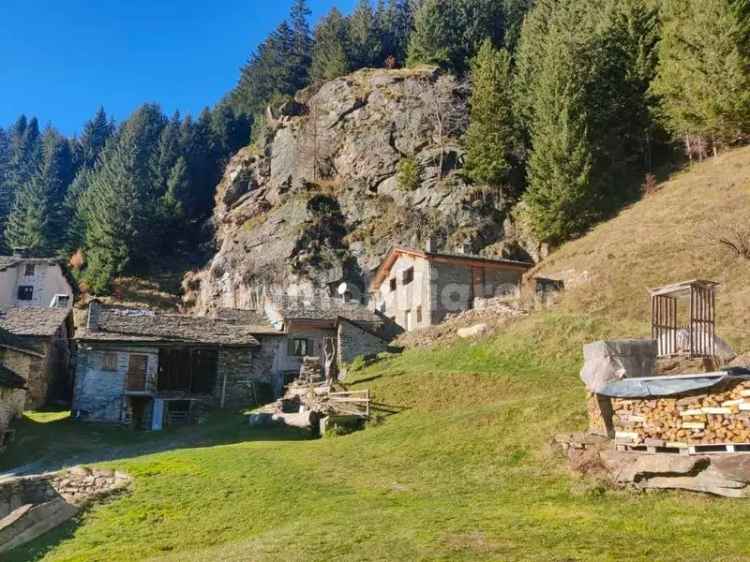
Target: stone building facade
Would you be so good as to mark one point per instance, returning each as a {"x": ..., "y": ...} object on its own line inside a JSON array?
[
  {"x": 34, "y": 282},
  {"x": 416, "y": 289},
  {"x": 150, "y": 369},
  {"x": 307, "y": 323},
  {"x": 355, "y": 341},
  {"x": 44, "y": 335}
]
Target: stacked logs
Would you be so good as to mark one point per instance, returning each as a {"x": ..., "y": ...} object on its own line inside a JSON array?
[{"x": 721, "y": 416}]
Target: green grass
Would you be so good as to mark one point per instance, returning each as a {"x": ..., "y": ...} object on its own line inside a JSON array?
[{"x": 464, "y": 470}]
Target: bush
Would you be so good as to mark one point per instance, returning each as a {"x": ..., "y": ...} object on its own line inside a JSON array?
[{"x": 409, "y": 174}]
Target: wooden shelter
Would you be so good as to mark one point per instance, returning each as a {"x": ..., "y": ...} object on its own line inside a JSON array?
[{"x": 701, "y": 327}]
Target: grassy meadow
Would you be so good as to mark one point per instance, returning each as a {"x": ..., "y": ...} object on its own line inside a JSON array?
[{"x": 464, "y": 469}]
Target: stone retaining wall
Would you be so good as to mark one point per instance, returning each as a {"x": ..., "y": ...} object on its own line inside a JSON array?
[{"x": 32, "y": 505}]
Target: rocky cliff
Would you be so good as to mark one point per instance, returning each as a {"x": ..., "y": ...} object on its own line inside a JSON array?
[{"x": 338, "y": 176}]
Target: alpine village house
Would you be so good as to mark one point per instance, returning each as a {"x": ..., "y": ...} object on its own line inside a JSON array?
[{"x": 152, "y": 369}]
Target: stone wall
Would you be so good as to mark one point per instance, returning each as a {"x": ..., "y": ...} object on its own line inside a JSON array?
[
  {"x": 12, "y": 401},
  {"x": 99, "y": 394},
  {"x": 450, "y": 290},
  {"x": 30, "y": 367},
  {"x": 409, "y": 305},
  {"x": 354, "y": 342},
  {"x": 33, "y": 505}
]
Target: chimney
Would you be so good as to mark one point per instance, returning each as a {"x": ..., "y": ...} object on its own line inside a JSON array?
[
  {"x": 430, "y": 245},
  {"x": 464, "y": 248}
]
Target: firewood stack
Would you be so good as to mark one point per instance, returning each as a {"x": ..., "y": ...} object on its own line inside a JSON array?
[
  {"x": 311, "y": 370},
  {"x": 721, "y": 416}
]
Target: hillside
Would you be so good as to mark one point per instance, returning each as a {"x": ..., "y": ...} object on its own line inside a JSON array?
[{"x": 464, "y": 470}]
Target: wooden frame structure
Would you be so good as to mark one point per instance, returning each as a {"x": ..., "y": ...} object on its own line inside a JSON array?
[{"x": 701, "y": 327}]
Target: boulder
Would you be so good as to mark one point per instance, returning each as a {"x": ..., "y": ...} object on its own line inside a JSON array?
[{"x": 472, "y": 331}]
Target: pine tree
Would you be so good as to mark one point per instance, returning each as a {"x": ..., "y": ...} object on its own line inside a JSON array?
[
  {"x": 278, "y": 68},
  {"x": 36, "y": 221},
  {"x": 394, "y": 22},
  {"x": 115, "y": 215},
  {"x": 490, "y": 137},
  {"x": 303, "y": 42},
  {"x": 365, "y": 38},
  {"x": 331, "y": 57},
  {"x": 558, "y": 199},
  {"x": 703, "y": 78},
  {"x": 75, "y": 212},
  {"x": 96, "y": 132},
  {"x": 449, "y": 32}
]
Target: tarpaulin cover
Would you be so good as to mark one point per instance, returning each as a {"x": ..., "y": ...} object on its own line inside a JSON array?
[
  {"x": 654, "y": 387},
  {"x": 606, "y": 361}
]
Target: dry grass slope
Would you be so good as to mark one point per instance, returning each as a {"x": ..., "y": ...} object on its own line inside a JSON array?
[{"x": 669, "y": 236}]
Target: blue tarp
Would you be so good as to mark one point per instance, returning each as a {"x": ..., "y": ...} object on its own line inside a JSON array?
[{"x": 654, "y": 387}]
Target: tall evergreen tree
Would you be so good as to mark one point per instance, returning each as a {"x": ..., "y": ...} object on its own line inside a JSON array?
[
  {"x": 303, "y": 42},
  {"x": 96, "y": 133},
  {"x": 115, "y": 215},
  {"x": 279, "y": 67},
  {"x": 703, "y": 76},
  {"x": 365, "y": 37},
  {"x": 490, "y": 138},
  {"x": 449, "y": 32},
  {"x": 594, "y": 61},
  {"x": 395, "y": 19},
  {"x": 331, "y": 57},
  {"x": 36, "y": 222}
]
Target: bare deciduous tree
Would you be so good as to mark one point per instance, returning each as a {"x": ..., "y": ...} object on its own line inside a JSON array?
[{"x": 444, "y": 111}]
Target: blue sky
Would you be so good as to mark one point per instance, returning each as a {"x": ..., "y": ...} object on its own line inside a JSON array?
[{"x": 61, "y": 59}]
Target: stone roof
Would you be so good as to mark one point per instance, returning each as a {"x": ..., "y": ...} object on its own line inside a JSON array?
[
  {"x": 32, "y": 320},
  {"x": 109, "y": 323},
  {"x": 12, "y": 261},
  {"x": 256, "y": 322},
  {"x": 10, "y": 379},
  {"x": 327, "y": 309}
]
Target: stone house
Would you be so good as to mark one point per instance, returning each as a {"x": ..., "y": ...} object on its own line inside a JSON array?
[
  {"x": 34, "y": 282},
  {"x": 153, "y": 369},
  {"x": 419, "y": 288},
  {"x": 307, "y": 323},
  {"x": 12, "y": 399},
  {"x": 44, "y": 333}
]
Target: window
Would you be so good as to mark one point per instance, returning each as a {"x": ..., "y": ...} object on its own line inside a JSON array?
[
  {"x": 137, "y": 367},
  {"x": 109, "y": 361},
  {"x": 407, "y": 320},
  {"x": 61, "y": 301},
  {"x": 393, "y": 284},
  {"x": 408, "y": 276},
  {"x": 25, "y": 293},
  {"x": 419, "y": 315},
  {"x": 30, "y": 270},
  {"x": 300, "y": 347}
]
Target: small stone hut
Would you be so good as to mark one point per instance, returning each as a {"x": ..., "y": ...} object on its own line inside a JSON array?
[
  {"x": 307, "y": 323},
  {"x": 152, "y": 369},
  {"x": 46, "y": 332}
]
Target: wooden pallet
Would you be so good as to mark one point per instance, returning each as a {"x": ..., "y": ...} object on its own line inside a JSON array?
[{"x": 707, "y": 449}]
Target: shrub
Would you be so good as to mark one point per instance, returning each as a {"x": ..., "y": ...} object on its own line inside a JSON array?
[{"x": 409, "y": 174}]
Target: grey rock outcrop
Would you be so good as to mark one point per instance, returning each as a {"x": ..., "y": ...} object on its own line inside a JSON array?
[{"x": 317, "y": 200}]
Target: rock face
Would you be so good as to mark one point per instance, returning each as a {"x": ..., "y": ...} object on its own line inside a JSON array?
[{"x": 319, "y": 200}]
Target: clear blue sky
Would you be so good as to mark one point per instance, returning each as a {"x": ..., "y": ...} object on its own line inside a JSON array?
[{"x": 61, "y": 59}]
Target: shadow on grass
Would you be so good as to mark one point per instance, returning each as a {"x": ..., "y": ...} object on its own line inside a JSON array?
[
  {"x": 39, "y": 548},
  {"x": 50, "y": 440}
]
